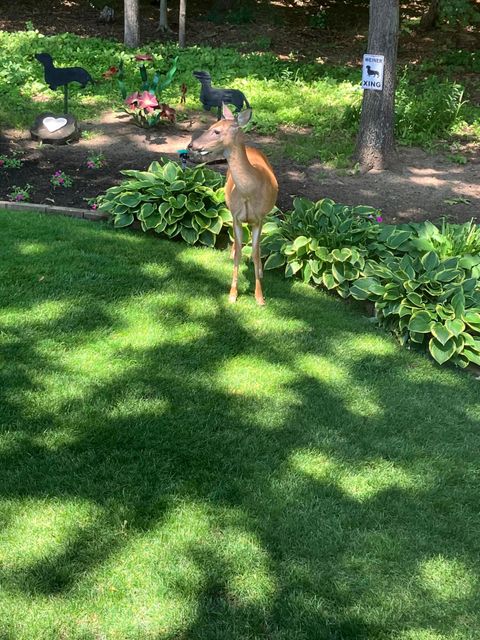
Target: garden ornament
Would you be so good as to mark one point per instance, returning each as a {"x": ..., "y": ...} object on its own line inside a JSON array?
[
  {"x": 62, "y": 76},
  {"x": 251, "y": 188},
  {"x": 215, "y": 97}
]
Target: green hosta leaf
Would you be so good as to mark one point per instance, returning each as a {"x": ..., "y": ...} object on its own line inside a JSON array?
[
  {"x": 447, "y": 275},
  {"x": 420, "y": 322},
  {"x": 302, "y": 205},
  {"x": 430, "y": 261},
  {"x": 442, "y": 352},
  {"x": 455, "y": 326},
  {"x": 146, "y": 210},
  {"x": 225, "y": 214},
  {"x": 338, "y": 272},
  {"x": 130, "y": 199},
  {"x": 153, "y": 221},
  {"x": 324, "y": 254},
  {"x": 292, "y": 268},
  {"x": 201, "y": 221},
  {"x": 364, "y": 210},
  {"x": 171, "y": 171},
  {"x": 300, "y": 242},
  {"x": 416, "y": 299},
  {"x": 161, "y": 226},
  {"x": 271, "y": 227},
  {"x": 172, "y": 230},
  {"x": 207, "y": 238},
  {"x": 329, "y": 281},
  {"x": 211, "y": 212},
  {"x": 194, "y": 205},
  {"x": 326, "y": 206},
  {"x": 361, "y": 289},
  {"x": 418, "y": 338},
  {"x": 440, "y": 332},
  {"x": 307, "y": 272},
  {"x": 123, "y": 220},
  {"x": 274, "y": 261},
  {"x": 341, "y": 255},
  {"x": 471, "y": 355},
  {"x": 215, "y": 226},
  {"x": 397, "y": 238},
  {"x": 189, "y": 235},
  {"x": 156, "y": 167},
  {"x": 178, "y": 185}
]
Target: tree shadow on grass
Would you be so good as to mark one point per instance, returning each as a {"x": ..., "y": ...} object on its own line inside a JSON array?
[{"x": 322, "y": 463}]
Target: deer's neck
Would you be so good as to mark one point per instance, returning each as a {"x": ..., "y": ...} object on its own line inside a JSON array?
[{"x": 244, "y": 175}]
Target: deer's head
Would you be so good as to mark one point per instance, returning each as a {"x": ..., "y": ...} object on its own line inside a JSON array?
[{"x": 221, "y": 136}]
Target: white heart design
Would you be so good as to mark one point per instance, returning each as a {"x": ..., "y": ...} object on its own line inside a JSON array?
[{"x": 53, "y": 124}]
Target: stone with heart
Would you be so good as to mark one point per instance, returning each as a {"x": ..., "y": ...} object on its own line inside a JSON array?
[
  {"x": 55, "y": 129},
  {"x": 53, "y": 124}
]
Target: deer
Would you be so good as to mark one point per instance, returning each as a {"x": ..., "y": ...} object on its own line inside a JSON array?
[{"x": 251, "y": 187}]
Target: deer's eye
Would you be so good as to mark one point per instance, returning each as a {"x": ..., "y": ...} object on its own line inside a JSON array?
[{"x": 216, "y": 132}]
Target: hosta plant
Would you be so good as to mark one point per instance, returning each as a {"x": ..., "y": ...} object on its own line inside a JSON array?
[
  {"x": 327, "y": 243},
  {"x": 427, "y": 301},
  {"x": 173, "y": 201},
  {"x": 448, "y": 240}
]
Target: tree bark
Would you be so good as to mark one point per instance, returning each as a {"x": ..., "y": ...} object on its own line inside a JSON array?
[
  {"x": 181, "y": 23},
  {"x": 376, "y": 138},
  {"x": 430, "y": 18},
  {"x": 131, "y": 36},
  {"x": 163, "y": 19}
]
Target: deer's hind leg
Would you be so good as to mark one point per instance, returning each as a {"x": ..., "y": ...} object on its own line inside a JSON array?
[
  {"x": 257, "y": 261},
  {"x": 237, "y": 255}
]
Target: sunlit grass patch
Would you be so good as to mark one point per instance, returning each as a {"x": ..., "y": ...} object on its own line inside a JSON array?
[{"x": 173, "y": 466}]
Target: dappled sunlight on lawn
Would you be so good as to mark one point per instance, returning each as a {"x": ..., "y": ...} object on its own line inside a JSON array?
[{"x": 173, "y": 466}]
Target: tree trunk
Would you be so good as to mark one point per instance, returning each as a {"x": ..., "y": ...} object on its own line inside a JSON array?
[
  {"x": 376, "y": 140},
  {"x": 131, "y": 36},
  {"x": 181, "y": 23},
  {"x": 430, "y": 18},
  {"x": 163, "y": 19}
]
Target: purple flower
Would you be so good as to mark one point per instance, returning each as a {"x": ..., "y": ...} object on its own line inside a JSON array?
[
  {"x": 19, "y": 196},
  {"x": 58, "y": 173},
  {"x": 91, "y": 164},
  {"x": 379, "y": 219}
]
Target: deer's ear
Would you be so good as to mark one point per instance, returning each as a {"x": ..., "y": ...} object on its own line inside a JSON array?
[
  {"x": 243, "y": 118},
  {"x": 226, "y": 113}
]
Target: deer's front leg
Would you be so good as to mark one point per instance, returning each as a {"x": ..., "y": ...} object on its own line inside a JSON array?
[{"x": 237, "y": 245}]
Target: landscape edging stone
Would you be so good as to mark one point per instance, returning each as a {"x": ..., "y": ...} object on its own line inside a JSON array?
[{"x": 71, "y": 212}]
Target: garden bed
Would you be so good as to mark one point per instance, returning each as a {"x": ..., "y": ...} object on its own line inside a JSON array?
[{"x": 421, "y": 187}]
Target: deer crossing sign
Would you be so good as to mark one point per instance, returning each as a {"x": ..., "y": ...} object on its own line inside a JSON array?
[{"x": 372, "y": 72}]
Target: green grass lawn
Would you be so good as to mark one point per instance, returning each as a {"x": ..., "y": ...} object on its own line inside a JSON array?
[{"x": 176, "y": 468}]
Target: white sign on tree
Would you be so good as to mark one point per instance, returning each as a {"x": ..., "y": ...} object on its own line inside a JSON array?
[{"x": 372, "y": 72}]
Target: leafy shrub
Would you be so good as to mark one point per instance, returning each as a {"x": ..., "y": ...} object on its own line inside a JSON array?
[
  {"x": 447, "y": 241},
  {"x": 425, "y": 300},
  {"x": 459, "y": 12},
  {"x": 428, "y": 109},
  {"x": 423, "y": 281},
  {"x": 327, "y": 243},
  {"x": 171, "y": 200}
]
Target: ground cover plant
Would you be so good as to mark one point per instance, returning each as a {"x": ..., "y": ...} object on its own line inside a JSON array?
[
  {"x": 424, "y": 280},
  {"x": 188, "y": 203},
  {"x": 286, "y": 93},
  {"x": 173, "y": 466}
]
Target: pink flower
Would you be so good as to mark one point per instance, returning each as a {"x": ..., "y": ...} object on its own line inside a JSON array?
[
  {"x": 94, "y": 206},
  {"x": 19, "y": 196},
  {"x": 2, "y": 162},
  {"x": 91, "y": 164},
  {"x": 379, "y": 219},
  {"x": 132, "y": 100},
  {"x": 61, "y": 180},
  {"x": 143, "y": 57},
  {"x": 147, "y": 100}
]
